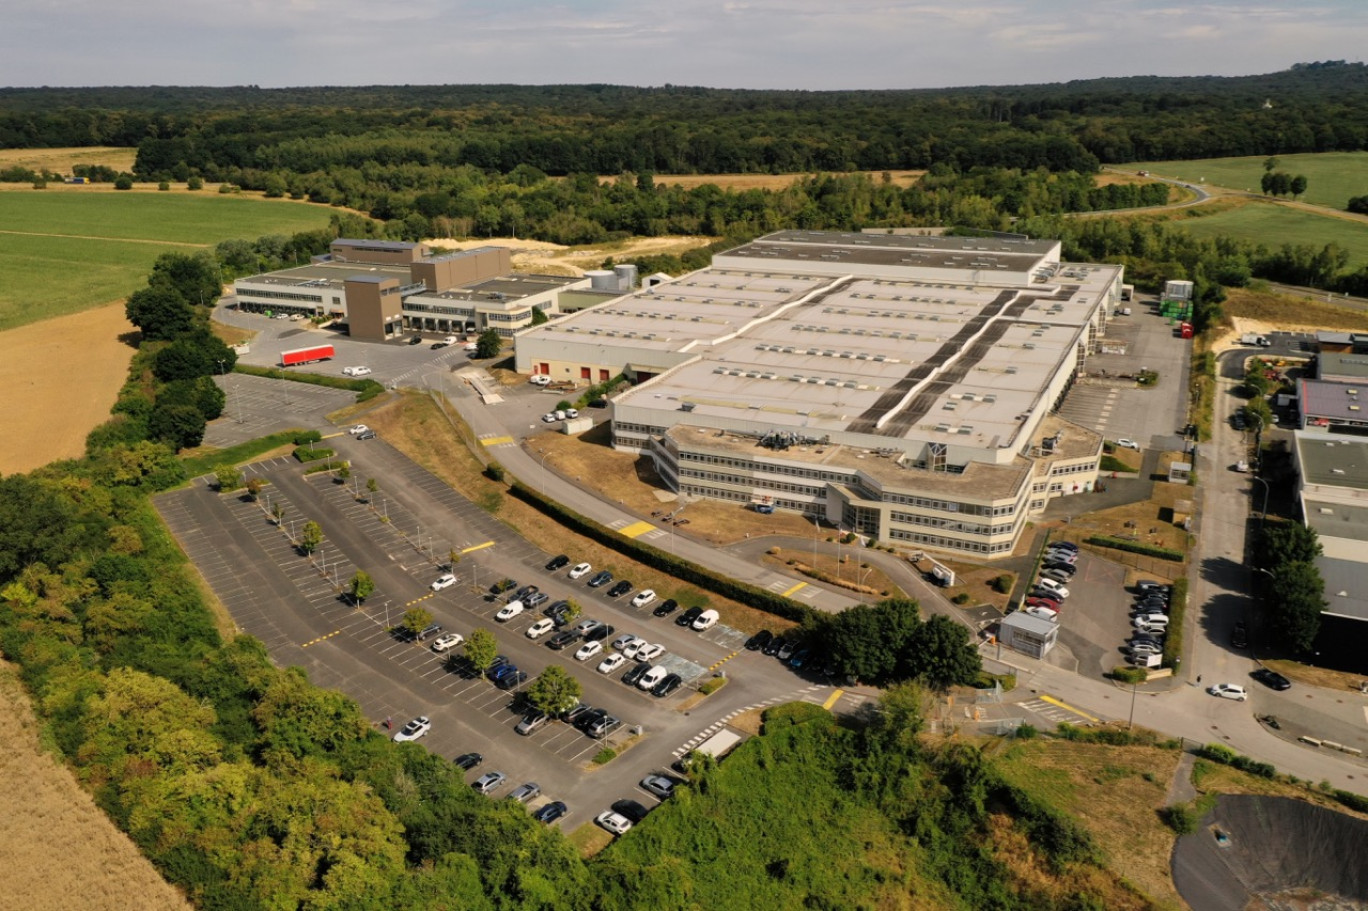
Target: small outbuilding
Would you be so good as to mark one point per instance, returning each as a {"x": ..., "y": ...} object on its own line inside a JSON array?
[{"x": 1030, "y": 635}]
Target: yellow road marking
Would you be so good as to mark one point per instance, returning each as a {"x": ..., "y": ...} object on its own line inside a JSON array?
[
  {"x": 831, "y": 700},
  {"x": 495, "y": 441},
  {"x": 320, "y": 638},
  {"x": 792, "y": 590},
  {"x": 329, "y": 436},
  {"x": 423, "y": 598},
  {"x": 478, "y": 547},
  {"x": 718, "y": 664},
  {"x": 636, "y": 529},
  {"x": 1064, "y": 705}
]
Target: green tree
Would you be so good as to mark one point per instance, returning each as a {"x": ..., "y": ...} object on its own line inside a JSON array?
[
  {"x": 362, "y": 586},
  {"x": 195, "y": 276},
  {"x": 554, "y": 690},
  {"x": 488, "y": 344},
  {"x": 539, "y": 316},
  {"x": 481, "y": 648},
  {"x": 227, "y": 477},
  {"x": 181, "y": 426},
  {"x": 1287, "y": 542},
  {"x": 372, "y": 486},
  {"x": 310, "y": 536},
  {"x": 277, "y": 512},
  {"x": 1298, "y": 185},
  {"x": 573, "y": 610},
  {"x": 255, "y": 485},
  {"x": 160, "y": 313},
  {"x": 941, "y": 654},
  {"x": 866, "y": 641},
  {"x": 195, "y": 183},
  {"x": 417, "y": 619},
  {"x": 300, "y": 719},
  {"x": 123, "y": 182},
  {"x": 1295, "y": 603},
  {"x": 343, "y": 472}
]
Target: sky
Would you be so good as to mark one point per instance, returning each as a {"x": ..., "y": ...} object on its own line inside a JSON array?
[{"x": 793, "y": 44}]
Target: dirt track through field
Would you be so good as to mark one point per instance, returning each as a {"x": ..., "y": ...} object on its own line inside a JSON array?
[
  {"x": 117, "y": 240},
  {"x": 60, "y": 378}
]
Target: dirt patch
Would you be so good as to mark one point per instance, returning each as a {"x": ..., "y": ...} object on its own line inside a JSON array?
[
  {"x": 60, "y": 161},
  {"x": 539, "y": 256},
  {"x": 61, "y": 377},
  {"x": 60, "y": 850},
  {"x": 232, "y": 335},
  {"x": 851, "y": 573},
  {"x": 766, "y": 181},
  {"x": 1265, "y": 311}
]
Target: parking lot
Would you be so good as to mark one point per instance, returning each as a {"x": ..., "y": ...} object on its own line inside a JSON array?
[{"x": 292, "y": 603}]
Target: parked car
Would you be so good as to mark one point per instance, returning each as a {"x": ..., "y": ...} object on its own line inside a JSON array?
[
  {"x": 468, "y": 761},
  {"x": 557, "y": 562},
  {"x": 416, "y": 728},
  {"x": 1145, "y": 648},
  {"x": 415, "y": 340},
  {"x": 532, "y": 722},
  {"x": 502, "y": 586},
  {"x": 667, "y": 686},
  {"x": 536, "y": 599},
  {"x": 551, "y": 812},
  {"x": 580, "y": 569},
  {"x": 1043, "y": 613},
  {"x": 357, "y": 371},
  {"x": 689, "y": 616},
  {"x": 1272, "y": 679},
  {"x": 1057, "y": 575},
  {"x": 650, "y": 651},
  {"x": 562, "y": 639},
  {"x": 1239, "y": 636},
  {"x": 665, "y": 608},
  {"x": 510, "y": 610},
  {"x": 1050, "y": 603},
  {"x": 359, "y": 428},
  {"x": 599, "y": 633},
  {"x": 447, "y": 642},
  {"x": 540, "y": 628},
  {"x": 1128, "y": 444},
  {"x": 550, "y": 418},
  {"x": 705, "y": 621},
  {"x": 626, "y": 639},
  {"x": 772, "y": 647},
  {"x": 603, "y": 727},
  {"x": 1053, "y": 586},
  {"x": 432, "y": 629},
  {"x": 445, "y": 580},
  {"x": 644, "y": 597},
  {"x": 601, "y": 578},
  {"x": 1151, "y": 618},
  {"x": 659, "y": 785},
  {"x": 366, "y": 435},
  {"x": 435, "y": 345},
  {"x": 1067, "y": 545},
  {"x": 613, "y": 822},
  {"x": 1229, "y": 691},
  {"x": 787, "y": 649},
  {"x": 511, "y": 680},
  {"x": 1149, "y": 585},
  {"x": 633, "y": 676},
  {"x": 587, "y": 624},
  {"x": 588, "y": 650},
  {"x": 631, "y": 809},
  {"x": 651, "y": 678},
  {"x": 757, "y": 641},
  {"x": 558, "y": 612},
  {"x": 612, "y": 663},
  {"x": 573, "y": 714},
  {"x": 620, "y": 589},
  {"x": 524, "y": 592},
  {"x": 488, "y": 781},
  {"x": 571, "y": 413},
  {"x": 590, "y": 718},
  {"x": 1060, "y": 566},
  {"x": 630, "y": 649},
  {"x": 540, "y": 379}
]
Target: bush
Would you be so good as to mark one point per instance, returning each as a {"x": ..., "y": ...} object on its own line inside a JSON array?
[
  {"x": 494, "y": 471},
  {"x": 1127, "y": 674},
  {"x": 1181, "y": 818},
  {"x": 1026, "y": 732},
  {"x": 961, "y": 598},
  {"x": 365, "y": 389},
  {"x": 123, "y": 182},
  {"x": 1173, "y": 642},
  {"x": 195, "y": 183},
  {"x": 1003, "y": 584},
  {"x": 713, "y": 685},
  {"x": 605, "y": 756},
  {"x": 986, "y": 681},
  {"x": 305, "y": 437},
  {"x": 1135, "y": 547},
  {"x": 1226, "y": 756},
  {"x": 305, "y": 454}
]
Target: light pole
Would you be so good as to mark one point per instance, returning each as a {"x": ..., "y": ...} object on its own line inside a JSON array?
[
  {"x": 545, "y": 453},
  {"x": 1130, "y": 722},
  {"x": 1263, "y": 513}
]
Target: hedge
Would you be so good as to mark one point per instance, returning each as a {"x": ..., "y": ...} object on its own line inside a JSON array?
[
  {"x": 1135, "y": 547},
  {"x": 1217, "y": 752},
  {"x": 718, "y": 584},
  {"x": 306, "y": 454},
  {"x": 1173, "y": 640},
  {"x": 365, "y": 389}
]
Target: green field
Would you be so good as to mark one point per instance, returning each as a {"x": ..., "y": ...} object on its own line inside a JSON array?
[
  {"x": 1274, "y": 225},
  {"x": 1331, "y": 177},
  {"x": 64, "y": 252}
]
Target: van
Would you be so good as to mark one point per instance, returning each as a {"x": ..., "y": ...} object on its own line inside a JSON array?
[{"x": 1144, "y": 660}]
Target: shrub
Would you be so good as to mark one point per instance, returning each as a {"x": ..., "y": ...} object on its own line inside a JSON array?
[
  {"x": 1173, "y": 642},
  {"x": 1181, "y": 818},
  {"x": 1135, "y": 547},
  {"x": 494, "y": 471},
  {"x": 305, "y": 454},
  {"x": 961, "y": 598},
  {"x": 305, "y": 437},
  {"x": 1129, "y": 674},
  {"x": 1003, "y": 584},
  {"x": 605, "y": 756},
  {"x": 1026, "y": 732},
  {"x": 713, "y": 685}
]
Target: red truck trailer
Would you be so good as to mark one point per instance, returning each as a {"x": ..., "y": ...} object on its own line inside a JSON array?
[{"x": 306, "y": 355}]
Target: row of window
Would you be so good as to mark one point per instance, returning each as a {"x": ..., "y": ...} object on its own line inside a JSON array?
[
  {"x": 968, "y": 509},
  {"x": 950, "y": 543},
  {"x": 751, "y": 465},
  {"x": 463, "y": 312},
  {"x": 281, "y": 295},
  {"x": 742, "y": 481},
  {"x": 969, "y": 528},
  {"x": 1073, "y": 469},
  {"x": 643, "y": 429}
]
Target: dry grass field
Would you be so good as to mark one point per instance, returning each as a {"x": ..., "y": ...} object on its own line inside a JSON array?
[
  {"x": 62, "y": 376},
  {"x": 60, "y": 161},
  {"x": 765, "y": 181},
  {"x": 544, "y": 257},
  {"x": 60, "y": 850}
]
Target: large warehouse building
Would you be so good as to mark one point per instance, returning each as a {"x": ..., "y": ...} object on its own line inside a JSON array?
[
  {"x": 901, "y": 386},
  {"x": 381, "y": 288}
]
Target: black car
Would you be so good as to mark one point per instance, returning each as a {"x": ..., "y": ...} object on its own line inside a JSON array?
[
  {"x": 495, "y": 665},
  {"x": 366, "y": 435},
  {"x": 562, "y": 640},
  {"x": 689, "y": 616},
  {"x": 667, "y": 686},
  {"x": 601, "y": 578},
  {"x": 557, "y": 562},
  {"x": 523, "y": 592},
  {"x": 1067, "y": 569},
  {"x": 773, "y": 646},
  {"x": 416, "y": 340},
  {"x": 435, "y": 345},
  {"x": 598, "y": 403},
  {"x": 573, "y": 714},
  {"x": 599, "y": 633},
  {"x": 666, "y": 608},
  {"x": 511, "y": 680},
  {"x": 589, "y": 718},
  {"x": 622, "y": 588},
  {"x": 759, "y": 640},
  {"x": 1238, "y": 421},
  {"x": 636, "y": 673},
  {"x": 1272, "y": 679},
  {"x": 558, "y": 611},
  {"x": 551, "y": 812},
  {"x": 468, "y": 761},
  {"x": 502, "y": 586},
  {"x": 1239, "y": 636},
  {"x": 631, "y": 809}
]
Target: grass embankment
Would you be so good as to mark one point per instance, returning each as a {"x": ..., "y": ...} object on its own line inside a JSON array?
[
  {"x": 60, "y": 850},
  {"x": 1291, "y": 311},
  {"x": 1331, "y": 177},
  {"x": 68, "y": 252},
  {"x": 413, "y": 424},
  {"x": 1268, "y": 223}
]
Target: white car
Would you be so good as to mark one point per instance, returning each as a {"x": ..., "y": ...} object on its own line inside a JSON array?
[
  {"x": 1229, "y": 691},
  {"x": 447, "y": 642},
  {"x": 356, "y": 371},
  {"x": 588, "y": 650},
  {"x": 644, "y": 597},
  {"x": 580, "y": 569},
  {"x": 611, "y": 663},
  {"x": 1128, "y": 444},
  {"x": 706, "y": 620},
  {"x": 540, "y": 628},
  {"x": 652, "y": 677},
  {"x": 540, "y": 379},
  {"x": 1043, "y": 613},
  {"x": 626, "y": 639},
  {"x": 510, "y": 610},
  {"x": 446, "y": 580},
  {"x": 359, "y": 428},
  {"x": 550, "y": 418},
  {"x": 613, "y": 822},
  {"x": 1152, "y": 620},
  {"x": 630, "y": 649},
  {"x": 1049, "y": 585},
  {"x": 449, "y": 340},
  {"x": 414, "y": 729},
  {"x": 572, "y": 413},
  {"x": 649, "y": 651}
]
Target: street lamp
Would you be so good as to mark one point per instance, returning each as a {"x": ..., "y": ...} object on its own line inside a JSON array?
[{"x": 1263, "y": 513}]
